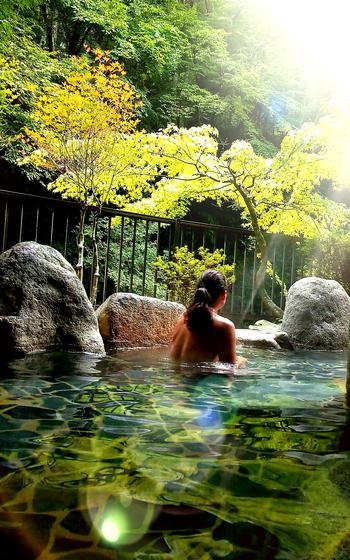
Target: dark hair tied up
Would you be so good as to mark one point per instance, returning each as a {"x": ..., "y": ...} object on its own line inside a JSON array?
[
  {"x": 202, "y": 296},
  {"x": 199, "y": 315}
]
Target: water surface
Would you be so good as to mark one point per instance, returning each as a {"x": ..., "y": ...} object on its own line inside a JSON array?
[{"x": 129, "y": 457}]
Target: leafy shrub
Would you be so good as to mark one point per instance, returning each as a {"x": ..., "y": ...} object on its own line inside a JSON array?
[{"x": 181, "y": 273}]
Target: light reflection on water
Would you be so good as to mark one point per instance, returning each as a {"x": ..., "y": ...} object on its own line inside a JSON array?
[{"x": 257, "y": 461}]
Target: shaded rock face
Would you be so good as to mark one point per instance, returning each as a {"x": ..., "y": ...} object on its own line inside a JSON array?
[
  {"x": 317, "y": 315},
  {"x": 128, "y": 320},
  {"x": 43, "y": 304}
]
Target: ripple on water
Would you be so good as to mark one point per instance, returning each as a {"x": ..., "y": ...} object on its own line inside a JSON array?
[{"x": 262, "y": 455}]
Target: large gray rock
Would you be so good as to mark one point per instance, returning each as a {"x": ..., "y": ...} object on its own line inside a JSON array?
[
  {"x": 43, "y": 304},
  {"x": 128, "y": 320},
  {"x": 317, "y": 314}
]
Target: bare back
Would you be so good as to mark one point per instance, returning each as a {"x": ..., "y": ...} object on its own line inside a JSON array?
[{"x": 218, "y": 345}]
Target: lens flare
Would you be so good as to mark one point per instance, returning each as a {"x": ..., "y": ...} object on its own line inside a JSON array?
[
  {"x": 110, "y": 530},
  {"x": 118, "y": 520},
  {"x": 209, "y": 418},
  {"x": 207, "y": 402},
  {"x": 316, "y": 34}
]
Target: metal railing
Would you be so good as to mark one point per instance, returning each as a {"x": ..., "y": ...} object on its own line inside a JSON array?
[{"x": 129, "y": 244}]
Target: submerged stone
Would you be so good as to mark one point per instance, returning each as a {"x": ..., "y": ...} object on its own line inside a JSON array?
[
  {"x": 43, "y": 304},
  {"x": 128, "y": 320},
  {"x": 317, "y": 315}
]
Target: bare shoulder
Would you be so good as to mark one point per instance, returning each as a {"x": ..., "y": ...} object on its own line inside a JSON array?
[
  {"x": 225, "y": 324},
  {"x": 179, "y": 323},
  {"x": 180, "y": 320}
]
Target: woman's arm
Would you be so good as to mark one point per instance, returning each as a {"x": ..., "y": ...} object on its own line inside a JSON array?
[{"x": 228, "y": 346}]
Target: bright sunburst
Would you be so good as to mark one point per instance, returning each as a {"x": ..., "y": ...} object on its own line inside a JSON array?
[{"x": 317, "y": 32}]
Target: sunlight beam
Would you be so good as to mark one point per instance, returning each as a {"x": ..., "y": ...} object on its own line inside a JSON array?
[{"x": 317, "y": 33}]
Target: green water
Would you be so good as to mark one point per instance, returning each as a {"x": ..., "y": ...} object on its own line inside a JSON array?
[{"x": 128, "y": 457}]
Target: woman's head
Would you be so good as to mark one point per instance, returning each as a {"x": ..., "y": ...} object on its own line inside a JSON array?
[
  {"x": 214, "y": 283},
  {"x": 211, "y": 293}
]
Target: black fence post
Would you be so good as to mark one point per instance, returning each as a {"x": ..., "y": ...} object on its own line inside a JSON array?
[
  {"x": 27, "y": 217},
  {"x": 176, "y": 238}
]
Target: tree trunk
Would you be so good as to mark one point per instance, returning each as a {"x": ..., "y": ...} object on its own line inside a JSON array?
[
  {"x": 95, "y": 270},
  {"x": 269, "y": 306},
  {"x": 49, "y": 27},
  {"x": 273, "y": 310},
  {"x": 80, "y": 242},
  {"x": 74, "y": 38}
]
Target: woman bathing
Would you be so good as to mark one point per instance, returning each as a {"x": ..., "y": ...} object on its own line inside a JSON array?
[{"x": 201, "y": 335}]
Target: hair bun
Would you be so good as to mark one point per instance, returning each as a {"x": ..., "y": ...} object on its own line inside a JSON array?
[{"x": 202, "y": 296}]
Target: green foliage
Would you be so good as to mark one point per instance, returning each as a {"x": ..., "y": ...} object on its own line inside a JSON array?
[
  {"x": 26, "y": 71},
  {"x": 212, "y": 62},
  {"x": 13, "y": 15},
  {"x": 181, "y": 273},
  {"x": 329, "y": 257},
  {"x": 279, "y": 195},
  {"x": 81, "y": 133},
  {"x": 226, "y": 76},
  {"x": 84, "y": 133},
  {"x": 8, "y": 72},
  {"x": 153, "y": 45}
]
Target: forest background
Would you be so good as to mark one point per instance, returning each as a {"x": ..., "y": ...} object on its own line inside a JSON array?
[{"x": 192, "y": 63}]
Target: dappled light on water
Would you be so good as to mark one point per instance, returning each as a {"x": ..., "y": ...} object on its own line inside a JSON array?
[{"x": 141, "y": 457}]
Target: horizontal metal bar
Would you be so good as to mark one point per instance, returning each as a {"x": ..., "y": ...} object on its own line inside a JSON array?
[
  {"x": 36, "y": 197},
  {"x": 73, "y": 204},
  {"x": 215, "y": 227},
  {"x": 133, "y": 215}
]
